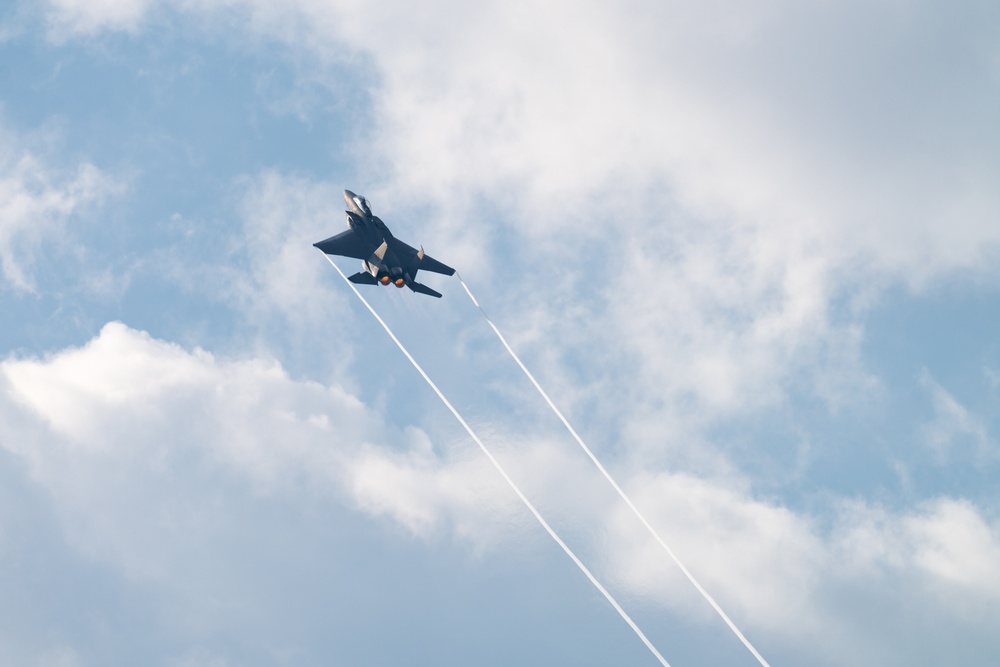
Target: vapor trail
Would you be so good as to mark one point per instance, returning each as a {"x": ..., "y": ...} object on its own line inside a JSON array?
[
  {"x": 510, "y": 482},
  {"x": 607, "y": 476}
]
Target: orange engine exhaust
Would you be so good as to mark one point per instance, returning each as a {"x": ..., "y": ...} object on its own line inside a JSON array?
[
  {"x": 400, "y": 282},
  {"x": 384, "y": 280}
]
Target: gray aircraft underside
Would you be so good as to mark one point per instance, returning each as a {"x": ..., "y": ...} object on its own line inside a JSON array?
[{"x": 386, "y": 260}]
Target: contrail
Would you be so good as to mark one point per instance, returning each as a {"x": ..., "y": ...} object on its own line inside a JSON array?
[
  {"x": 607, "y": 476},
  {"x": 510, "y": 482}
]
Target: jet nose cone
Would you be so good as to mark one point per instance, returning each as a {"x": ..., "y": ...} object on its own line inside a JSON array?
[{"x": 349, "y": 197}]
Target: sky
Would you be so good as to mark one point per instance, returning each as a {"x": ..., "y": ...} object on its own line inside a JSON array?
[{"x": 750, "y": 250}]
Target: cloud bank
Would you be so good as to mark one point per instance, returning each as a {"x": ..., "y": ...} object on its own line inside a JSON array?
[{"x": 137, "y": 440}]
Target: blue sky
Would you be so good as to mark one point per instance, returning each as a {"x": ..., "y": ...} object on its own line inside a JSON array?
[{"x": 751, "y": 251}]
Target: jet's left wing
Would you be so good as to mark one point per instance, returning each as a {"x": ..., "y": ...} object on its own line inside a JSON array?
[{"x": 345, "y": 244}]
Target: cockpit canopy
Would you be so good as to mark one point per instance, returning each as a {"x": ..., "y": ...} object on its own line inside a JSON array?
[{"x": 363, "y": 204}]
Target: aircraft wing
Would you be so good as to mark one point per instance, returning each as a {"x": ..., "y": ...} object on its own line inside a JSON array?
[
  {"x": 428, "y": 263},
  {"x": 422, "y": 262},
  {"x": 346, "y": 244}
]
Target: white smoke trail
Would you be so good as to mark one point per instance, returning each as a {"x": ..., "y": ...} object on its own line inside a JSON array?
[
  {"x": 510, "y": 482},
  {"x": 607, "y": 476}
]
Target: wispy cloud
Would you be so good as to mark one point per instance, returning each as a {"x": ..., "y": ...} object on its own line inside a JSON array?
[
  {"x": 954, "y": 428},
  {"x": 37, "y": 199},
  {"x": 77, "y": 18}
]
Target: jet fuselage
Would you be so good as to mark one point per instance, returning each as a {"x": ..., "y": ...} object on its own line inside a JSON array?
[{"x": 383, "y": 257}]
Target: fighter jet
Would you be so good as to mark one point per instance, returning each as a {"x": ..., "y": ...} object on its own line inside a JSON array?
[{"x": 384, "y": 258}]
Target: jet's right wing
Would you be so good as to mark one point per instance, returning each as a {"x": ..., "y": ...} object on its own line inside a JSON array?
[
  {"x": 345, "y": 244},
  {"x": 423, "y": 262},
  {"x": 428, "y": 263}
]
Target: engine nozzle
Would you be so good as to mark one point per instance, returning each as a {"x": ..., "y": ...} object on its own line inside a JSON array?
[
  {"x": 399, "y": 282},
  {"x": 384, "y": 280}
]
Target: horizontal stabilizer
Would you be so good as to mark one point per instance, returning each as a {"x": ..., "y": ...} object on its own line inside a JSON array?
[
  {"x": 423, "y": 289},
  {"x": 363, "y": 278}
]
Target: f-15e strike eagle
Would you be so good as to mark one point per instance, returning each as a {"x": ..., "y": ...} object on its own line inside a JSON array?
[{"x": 385, "y": 258}]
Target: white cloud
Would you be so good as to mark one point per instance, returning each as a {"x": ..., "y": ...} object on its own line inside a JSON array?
[
  {"x": 68, "y": 18},
  {"x": 283, "y": 215},
  {"x": 421, "y": 491},
  {"x": 749, "y": 173},
  {"x": 36, "y": 201},
  {"x": 783, "y": 576},
  {"x": 946, "y": 543},
  {"x": 746, "y": 176},
  {"x": 150, "y": 410},
  {"x": 844, "y": 140},
  {"x": 955, "y": 544},
  {"x": 138, "y": 441},
  {"x": 267, "y": 272},
  {"x": 761, "y": 560},
  {"x": 775, "y": 207},
  {"x": 675, "y": 100}
]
